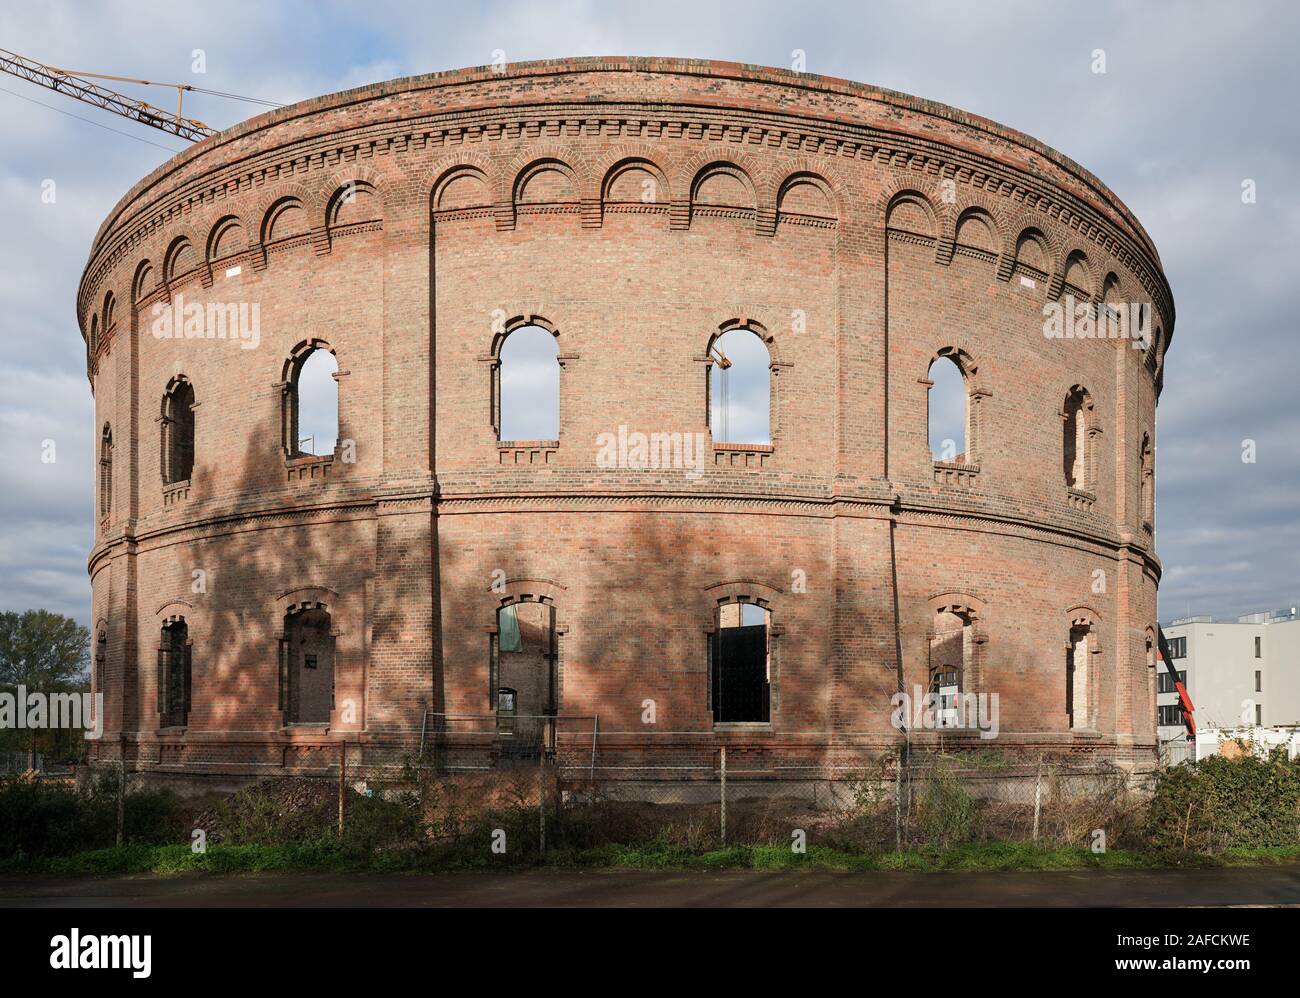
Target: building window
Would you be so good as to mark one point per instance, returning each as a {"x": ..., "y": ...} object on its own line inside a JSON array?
[
  {"x": 523, "y": 674},
  {"x": 1078, "y": 677},
  {"x": 1259, "y": 715},
  {"x": 948, "y": 414},
  {"x": 316, "y": 399},
  {"x": 174, "y": 674},
  {"x": 1169, "y": 716},
  {"x": 101, "y": 661},
  {"x": 1165, "y": 682},
  {"x": 507, "y": 709},
  {"x": 311, "y": 401},
  {"x": 1259, "y": 681},
  {"x": 307, "y": 663},
  {"x": 178, "y": 432},
  {"x": 528, "y": 386},
  {"x": 1076, "y": 442},
  {"x": 1147, "y": 496},
  {"x": 740, "y": 388},
  {"x": 953, "y": 670},
  {"x": 1258, "y": 649},
  {"x": 740, "y": 664},
  {"x": 1177, "y": 647},
  {"x": 945, "y": 685},
  {"x": 106, "y": 471}
]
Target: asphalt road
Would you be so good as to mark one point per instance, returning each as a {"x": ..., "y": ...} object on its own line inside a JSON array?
[{"x": 1254, "y": 886}]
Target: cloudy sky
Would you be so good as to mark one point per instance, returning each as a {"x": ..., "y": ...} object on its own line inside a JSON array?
[{"x": 1196, "y": 98}]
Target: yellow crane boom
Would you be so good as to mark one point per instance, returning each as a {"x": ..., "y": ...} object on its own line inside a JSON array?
[{"x": 80, "y": 87}]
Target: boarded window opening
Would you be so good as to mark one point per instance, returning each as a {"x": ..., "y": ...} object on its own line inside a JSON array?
[{"x": 741, "y": 664}]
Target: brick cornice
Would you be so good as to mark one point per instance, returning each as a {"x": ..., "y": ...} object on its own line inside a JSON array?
[{"x": 887, "y": 143}]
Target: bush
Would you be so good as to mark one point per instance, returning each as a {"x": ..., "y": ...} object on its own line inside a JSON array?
[
  {"x": 946, "y": 809},
  {"x": 39, "y": 819},
  {"x": 1218, "y": 804}
]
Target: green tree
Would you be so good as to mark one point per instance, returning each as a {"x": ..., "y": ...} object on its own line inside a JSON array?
[{"x": 45, "y": 652}]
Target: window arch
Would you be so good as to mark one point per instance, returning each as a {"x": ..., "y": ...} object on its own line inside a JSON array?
[
  {"x": 526, "y": 379},
  {"x": 174, "y": 674},
  {"x": 178, "y": 432},
  {"x": 1078, "y": 459},
  {"x": 948, "y": 416},
  {"x": 106, "y": 471},
  {"x": 739, "y": 387},
  {"x": 311, "y": 401}
]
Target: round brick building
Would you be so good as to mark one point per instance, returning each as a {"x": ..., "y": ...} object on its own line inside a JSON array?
[{"x": 438, "y": 575}]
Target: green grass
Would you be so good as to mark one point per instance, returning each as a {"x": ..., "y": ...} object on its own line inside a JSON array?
[{"x": 172, "y": 860}]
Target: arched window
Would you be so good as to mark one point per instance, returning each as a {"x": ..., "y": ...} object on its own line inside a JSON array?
[
  {"x": 106, "y": 471},
  {"x": 1078, "y": 672},
  {"x": 1076, "y": 458},
  {"x": 528, "y": 381},
  {"x": 948, "y": 409},
  {"x": 740, "y": 663},
  {"x": 523, "y": 670},
  {"x": 174, "y": 671},
  {"x": 313, "y": 404},
  {"x": 1147, "y": 496},
  {"x": 740, "y": 388},
  {"x": 101, "y": 661},
  {"x": 951, "y": 663},
  {"x": 178, "y": 432},
  {"x": 307, "y": 666}
]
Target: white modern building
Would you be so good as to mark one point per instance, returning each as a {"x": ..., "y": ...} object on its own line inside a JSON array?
[{"x": 1239, "y": 673}]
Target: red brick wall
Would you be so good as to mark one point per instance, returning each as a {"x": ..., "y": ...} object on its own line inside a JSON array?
[{"x": 855, "y": 293}]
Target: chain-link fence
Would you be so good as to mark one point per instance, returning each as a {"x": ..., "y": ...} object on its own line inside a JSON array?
[{"x": 564, "y": 782}]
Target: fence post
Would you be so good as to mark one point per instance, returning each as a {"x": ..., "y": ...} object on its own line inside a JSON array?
[
  {"x": 121, "y": 789},
  {"x": 723, "y": 794},
  {"x": 1038, "y": 795},
  {"x": 541, "y": 796},
  {"x": 898, "y": 803},
  {"x": 343, "y": 776}
]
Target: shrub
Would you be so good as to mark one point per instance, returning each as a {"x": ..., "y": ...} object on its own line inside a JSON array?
[
  {"x": 40, "y": 819},
  {"x": 1218, "y": 804}
]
